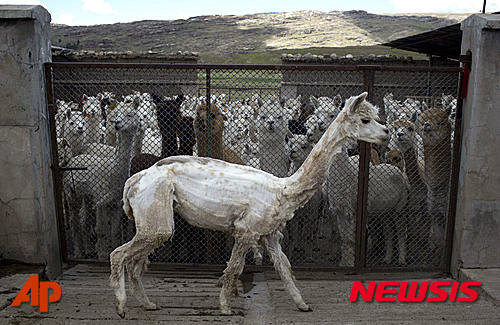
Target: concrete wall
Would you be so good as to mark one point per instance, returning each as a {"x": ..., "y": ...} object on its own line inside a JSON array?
[
  {"x": 477, "y": 231},
  {"x": 28, "y": 224}
]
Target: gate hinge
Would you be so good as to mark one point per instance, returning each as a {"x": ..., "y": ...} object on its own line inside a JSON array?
[{"x": 466, "y": 61}]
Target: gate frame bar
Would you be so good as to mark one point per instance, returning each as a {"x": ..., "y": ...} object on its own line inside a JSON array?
[{"x": 363, "y": 175}]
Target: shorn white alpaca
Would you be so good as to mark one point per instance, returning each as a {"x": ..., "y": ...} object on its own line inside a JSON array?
[{"x": 248, "y": 203}]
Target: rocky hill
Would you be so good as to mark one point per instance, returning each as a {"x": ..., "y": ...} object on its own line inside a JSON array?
[{"x": 220, "y": 38}]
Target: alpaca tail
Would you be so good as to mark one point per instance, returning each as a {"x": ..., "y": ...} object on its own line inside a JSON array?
[{"x": 129, "y": 184}]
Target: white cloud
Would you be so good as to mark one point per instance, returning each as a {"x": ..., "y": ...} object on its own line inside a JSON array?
[
  {"x": 444, "y": 6},
  {"x": 23, "y": 2},
  {"x": 66, "y": 19},
  {"x": 98, "y": 7}
]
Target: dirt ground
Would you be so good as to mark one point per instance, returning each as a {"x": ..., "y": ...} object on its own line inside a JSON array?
[{"x": 189, "y": 295}]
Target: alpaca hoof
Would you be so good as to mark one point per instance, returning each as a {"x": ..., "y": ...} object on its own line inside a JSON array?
[
  {"x": 225, "y": 311},
  {"x": 151, "y": 306},
  {"x": 121, "y": 314},
  {"x": 306, "y": 308}
]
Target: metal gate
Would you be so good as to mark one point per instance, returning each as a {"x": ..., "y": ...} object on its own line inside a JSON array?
[{"x": 381, "y": 208}]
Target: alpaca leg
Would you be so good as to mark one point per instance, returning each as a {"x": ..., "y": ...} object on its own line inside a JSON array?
[
  {"x": 135, "y": 270},
  {"x": 231, "y": 274},
  {"x": 402, "y": 234},
  {"x": 273, "y": 247},
  {"x": 389, "y": 237},
  {"x": 155, "y": 225},
  {"x": 132, "y": 254},
  {"x": 117, "y": 277}
]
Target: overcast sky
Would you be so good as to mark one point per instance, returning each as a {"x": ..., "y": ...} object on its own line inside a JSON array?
[{"x": 88, "y": 12}]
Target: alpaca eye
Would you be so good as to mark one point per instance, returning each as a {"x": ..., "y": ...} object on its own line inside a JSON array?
[
  {"x": 71, "y": 123},
  {"x": 365, "y": 121},
  {"x": 303, "y": 147},
  {"x": 410, "y": 129},
  {"x": 280, "y": 117}
]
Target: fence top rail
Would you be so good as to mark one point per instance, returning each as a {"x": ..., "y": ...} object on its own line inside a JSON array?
[{"x": 195, "y": 66}]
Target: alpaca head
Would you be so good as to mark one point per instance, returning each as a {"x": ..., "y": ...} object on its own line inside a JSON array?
[
  {"x": 403, "y": 133},
  {"x": 293, "y": 106},
  {"x": 433, "y": 126},
  {"x": 126, "y": 119},
  {"x": 74, "y": 124},
  {"x": 209, "y": 121},
  {"x": 298, "y": 148},
  {"x": 449, "y": 104},
  {"x": 145, "y": 113},
  {"x": 91, "y": 106},
  {"x": 312, "y": 129},
  {"x": 359, "y": 118},
  {"x": 272, "y": 120},
  {"x": 395, "y": 158},
  {"x": 326, "y": 109}
]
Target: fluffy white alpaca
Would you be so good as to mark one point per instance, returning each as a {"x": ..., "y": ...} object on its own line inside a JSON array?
[
  {"x": 250, "y": 204},
  {"x": 92, "y": 109},
  {"x": 303, "y": 227},
  {"x": 326, "y": 110},
  {"x": 341, "y": 188},
  {"x": 99, "y": 187},
  {"x": 73, "y": 135},
  {"x": 272, "y": 128}
]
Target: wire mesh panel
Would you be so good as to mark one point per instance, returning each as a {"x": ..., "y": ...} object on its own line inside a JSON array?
[
  {"x": 409, "y": 184},
  {"x": 113, "y": 121}
]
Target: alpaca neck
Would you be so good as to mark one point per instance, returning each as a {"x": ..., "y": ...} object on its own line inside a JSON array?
[
  {"x": 123, "y": 155},
  {"x": 93, "y": 130},
  {"x": 210, "y": 145},
  {"x": 412, "y": 170},
  {"x": 300, "y": 186},
  {"x": 137, "y": 147},
  {"x": 437, "y": 163}
]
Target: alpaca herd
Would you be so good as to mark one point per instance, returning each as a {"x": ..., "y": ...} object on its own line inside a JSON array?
[{"x": 115, "y": 138}]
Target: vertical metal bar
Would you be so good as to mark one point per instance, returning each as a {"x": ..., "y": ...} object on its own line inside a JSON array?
[
  {"x": 363, "y": 177},
  {"x": 455, "y": 167},
  {"x": 208, "y": 95},
  {"x": 58, "y": 188}
]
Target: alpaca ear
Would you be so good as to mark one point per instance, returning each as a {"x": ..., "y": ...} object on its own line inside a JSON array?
[
  {"x": 136, "y": 102},
  {"x": 337, "y": 100},
  {"x": 68, "y": 113},
  {"x": 353, "y": 106},
  {"x": 314, "y": 102}
]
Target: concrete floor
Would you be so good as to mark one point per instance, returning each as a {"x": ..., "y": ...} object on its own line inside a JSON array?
[{"x": 188, "y": 295}]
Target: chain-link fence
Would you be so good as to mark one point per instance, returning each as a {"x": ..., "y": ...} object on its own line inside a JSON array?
[{"x": 112, "y": 121}]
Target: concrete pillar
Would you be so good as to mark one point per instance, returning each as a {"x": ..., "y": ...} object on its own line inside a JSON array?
[
  {"x": 28, "y": 224},
  {"x": 477, "y": 228}
]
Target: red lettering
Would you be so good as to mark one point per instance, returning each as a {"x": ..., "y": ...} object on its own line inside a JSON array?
[
  {"x": 411, "y": 294},
  {"x": 45, "y": 298},
  {"x": 468, "y": 291},
  {"x": 442, "y": 294},
  {"x": 23, "y": 296},
  {"x": 454, "y": 291},
  {"x": 38, "y": 287},
  {"x": 366, "y": 294},
  {"x": 381, "y": 291}
]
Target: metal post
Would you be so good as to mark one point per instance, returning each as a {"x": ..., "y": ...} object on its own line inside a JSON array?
[
  {"x": 208, "y": 95},
  {"x": 58, "y": 188},
  {"x": 457, "y": 149},
  {"x": 363, "y": 177}
]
